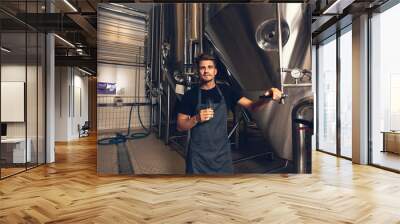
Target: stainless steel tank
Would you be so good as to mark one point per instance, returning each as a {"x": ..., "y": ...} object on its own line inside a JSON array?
[
  {"x": 246, "y": 40},
  {"x": 174, "y": 33},
  {"x": 181, "y": 25}
]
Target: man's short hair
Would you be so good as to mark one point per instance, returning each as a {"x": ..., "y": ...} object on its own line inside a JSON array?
[{"x": 206, "y": 57}]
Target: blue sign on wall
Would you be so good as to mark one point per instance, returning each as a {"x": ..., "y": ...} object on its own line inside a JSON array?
[{"x": 106, "y": 88}]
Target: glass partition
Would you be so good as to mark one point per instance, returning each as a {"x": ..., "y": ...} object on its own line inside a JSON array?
[
  {"x": 385, "y": 89},
  {"x": 41, "y": 97},
  {"x": 14, "y": 153},
  {"x": 327, "y": 95},
  {"x": 31, "y": 97},
  {"x": 22, "y": 88},
  {"x": 346, "y": 93}
]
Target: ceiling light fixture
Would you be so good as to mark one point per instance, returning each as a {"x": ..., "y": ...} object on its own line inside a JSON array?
[
  {"x": 70, "y": 5},
  {"x": 84, "y": 71},
  {"x": 119, "y": 5},
  {"x": 126, "y": 10},
  {"x": 337, "y": 7},
  {"x": 79, "y": 51},
  {"x": 5, "y": 50},
  {"x": 65, "y": 41}
]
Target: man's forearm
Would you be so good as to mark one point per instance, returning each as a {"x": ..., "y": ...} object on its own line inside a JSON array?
[
  {"x": 255, "y": 106},
  {"x": 187, "y": 124},
  {"x": 274, "y": 93},
  {"x": 251, "y": 105}
]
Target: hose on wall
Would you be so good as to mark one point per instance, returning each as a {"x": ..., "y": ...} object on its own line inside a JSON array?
[{"x": 122, "y": 138}]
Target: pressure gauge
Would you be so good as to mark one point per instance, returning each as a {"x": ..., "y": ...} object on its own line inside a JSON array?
[{"x": 296, "y": 73}]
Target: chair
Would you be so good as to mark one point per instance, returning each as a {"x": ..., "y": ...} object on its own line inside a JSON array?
[{"x": 84, "y": 130}]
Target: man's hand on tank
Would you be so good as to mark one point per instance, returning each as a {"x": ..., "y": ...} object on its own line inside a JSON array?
[{"x": 275, "y": 93}]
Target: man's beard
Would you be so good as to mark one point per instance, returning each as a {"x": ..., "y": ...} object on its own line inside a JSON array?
[{"x": 206, "y": 81}]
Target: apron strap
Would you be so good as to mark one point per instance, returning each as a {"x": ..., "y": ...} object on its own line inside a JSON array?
[
  {"x": 220, "y": 93},
  {"x": 198, "y": 99}
]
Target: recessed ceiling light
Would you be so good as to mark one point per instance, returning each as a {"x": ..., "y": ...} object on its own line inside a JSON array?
[
  {"x": 337, "y": 7},
  {"x": 5, "y": 50},
  {"x": 65, "y": 41},
  {"x": 70, "y": 5},
  {"x": 84, "y": 71}
]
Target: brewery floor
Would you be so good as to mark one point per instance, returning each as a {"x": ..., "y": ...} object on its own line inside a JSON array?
[
  {"x": 146, "y": 156},
  {"x": 151, "y": 156}
]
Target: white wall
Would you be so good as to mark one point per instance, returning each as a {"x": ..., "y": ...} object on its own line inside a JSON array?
[
  {"x": 70, "y": 83},
  {"x": 12, "y": 73},
  {"x": 130, "y": 80},
  {"x": 62, "y": 81},
  {"x": 80, "y": 112},
  {"x": 130, "y": 83},
  {"x": 33, "y": 126},
  {"x": 125, "y": 77}
]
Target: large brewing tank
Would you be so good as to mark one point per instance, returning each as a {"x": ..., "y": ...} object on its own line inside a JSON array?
[
  {"x": 181, "y": 26},
  {"x": 246, "y": 40},
  {"x": 173, "y": 30}
]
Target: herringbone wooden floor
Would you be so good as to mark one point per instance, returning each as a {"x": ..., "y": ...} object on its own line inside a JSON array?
[{"x": 69, "y": 191}]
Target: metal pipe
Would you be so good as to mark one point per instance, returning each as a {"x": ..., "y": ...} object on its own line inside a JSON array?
[
  {"x": 168, "y": 123},
  {"x": 159, "y": 114},
  {"x": 161, "y": 36},
  {"x": 194, "y": 21},
  {"x": 155, "y": 60},
  {"x": 297, "y": 85},
  {"x": 151, "y": 108},
  {"x": 201, "y": 28},
  {"x": 302, "y": 129},
  {"x": 152, "y": 69},
  {"x": 176, "y": 34},
  {"x": 238, "y": 118},
  {"x": 234, "y": 129},
  {"x": 186, "y": 36},
  {"x": 147, "y": 69},
  {"x": 280, "y": 48},
  {"x": 194, "y": 32},
  {"x": 139, "y": 77}
]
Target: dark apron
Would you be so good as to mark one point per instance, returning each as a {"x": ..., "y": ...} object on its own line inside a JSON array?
[{"x": 209, "y": 148}]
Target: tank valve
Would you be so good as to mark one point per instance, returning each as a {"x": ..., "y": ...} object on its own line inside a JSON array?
[
  {"x": 283, "y": 97},
  {"x": 281, "y": 101}
]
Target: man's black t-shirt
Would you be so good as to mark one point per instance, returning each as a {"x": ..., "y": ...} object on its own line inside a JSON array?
[{"x": 189, "y": 101}]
